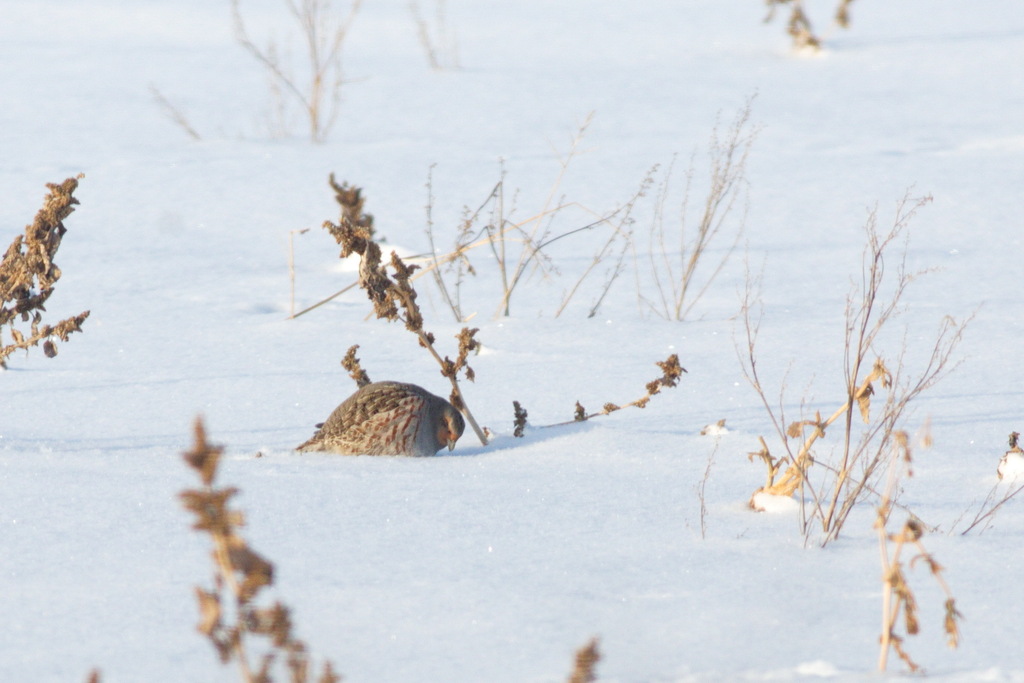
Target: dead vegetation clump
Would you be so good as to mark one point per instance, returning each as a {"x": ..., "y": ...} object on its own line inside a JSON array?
[
  {"x": 28, "y": 275},
  {"x": 230, "y": 616},
  {"x": 799, "y": 25},
  {"x": 851, "y": 469}
]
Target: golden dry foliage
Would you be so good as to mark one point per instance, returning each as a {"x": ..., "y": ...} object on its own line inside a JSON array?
[
  {"x": 28, "y": 275},
  {"x": 394, "y": 299},
  {"x": 229, "y": 614},
  {"x": 898, "y": 599},
  {"x": 793, "y": 476},
  {"x": 587, "y": 658},
  {"x": 799, "y": 26},
  {"x": 671, "y": 373},
  {"x": 859, "y": 454}
]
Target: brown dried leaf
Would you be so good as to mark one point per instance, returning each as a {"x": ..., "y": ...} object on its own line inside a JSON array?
[
  {"x": 209, "y": 612},
  {"x": 864, "y": 401},
  {"x": 587, "y": 657}
]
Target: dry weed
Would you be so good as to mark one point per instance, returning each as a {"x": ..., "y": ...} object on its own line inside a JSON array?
[
  {"x": 671, "y": 373},
  {"x": 323, "y": 36},
  {"x": 863, "y": 453},
  {"x": 229, "y": 614},
  {"x": 28, "y": 275},
  {"x": 678, "y": 268},
  {"x": 587, "y": 657},
  {"x": 439, "y": 42},
  {"x": 898, "y": 600},
  {"x": 394, "y": 299},
  {"x": 519, "y": 422},
  {"x": 174, "y": 113},
  {"x": 352, "y": 365},
  {"x": 351, "y": 201}
]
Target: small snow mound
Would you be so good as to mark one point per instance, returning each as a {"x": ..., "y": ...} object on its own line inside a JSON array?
[
  {"x": 715, "y": 429},
  {"x": 1011, "y": 466},
  {"x": 817, "y": 668},
  {"x": 771, "y": 503}
]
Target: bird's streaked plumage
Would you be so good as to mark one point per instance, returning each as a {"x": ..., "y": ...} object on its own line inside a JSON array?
[{"x": 389, "y": 418}]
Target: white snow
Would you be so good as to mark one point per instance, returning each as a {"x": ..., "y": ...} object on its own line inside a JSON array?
[
  {"x": 1011, "y": 465},
  {"x": 496, "y": 563}
]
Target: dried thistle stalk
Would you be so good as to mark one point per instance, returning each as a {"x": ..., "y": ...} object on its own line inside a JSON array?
[
  {"x": 671, "y": 373},
  {"x": 28, "y": 275},
  {"x": 228, "y": 615},
  {"x": 520, "y": 415},
  {"x": 351, "y": 363},
  {"x": 394, "y": 299},
  {"x": 351, "y": 200}
]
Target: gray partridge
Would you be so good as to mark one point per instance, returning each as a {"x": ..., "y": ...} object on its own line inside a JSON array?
[{"x": 389, "y": 418}]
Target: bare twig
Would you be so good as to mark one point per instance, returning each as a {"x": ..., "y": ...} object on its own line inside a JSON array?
[{"x": 173, "y": 113}]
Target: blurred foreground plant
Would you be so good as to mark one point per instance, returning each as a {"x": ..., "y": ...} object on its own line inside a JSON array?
[
  {"x": 897, "y": 597},
  {"x": 28, "y": 275},
  {"x": 229, "y": 614}
]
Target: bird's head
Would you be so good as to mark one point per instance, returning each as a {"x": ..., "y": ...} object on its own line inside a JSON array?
[{"x": 451, "y": 427}]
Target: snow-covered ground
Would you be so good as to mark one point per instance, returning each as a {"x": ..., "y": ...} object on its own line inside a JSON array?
[{"x": 495, "y": 563}]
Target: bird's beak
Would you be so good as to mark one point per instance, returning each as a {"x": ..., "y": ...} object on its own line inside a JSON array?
[{"x": 451, "y": 441}]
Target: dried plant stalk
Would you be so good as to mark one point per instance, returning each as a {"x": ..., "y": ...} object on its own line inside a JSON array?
[
  {"x": 324, "y": 37},
  {"x": 439, "y": 43},
  {"x": 671, "y": 373},
  {"x": 680, "y": 266},
  {"x": 355, "y": 370},
  {"x": 519, "y": 423},
  {"x": 587, "y": 657},
  {"x": 863, "y": 452},
  {"x": 351, "y": 200},
  {"x": 28, "y": 275},
  {"x": 229, "y": 614},
  {"x": 394, "y": 299},
  {"x": 898, "y": 600}
]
